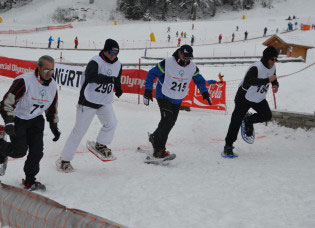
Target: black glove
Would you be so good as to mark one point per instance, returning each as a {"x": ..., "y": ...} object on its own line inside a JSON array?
[
  {"x": 206, "y": 96},
  {"x": 147, "y": 97},
  {"x": 54, "y": 129},
  {"x": 9, "y": 128},
  {"x": 119, "y": 92}
]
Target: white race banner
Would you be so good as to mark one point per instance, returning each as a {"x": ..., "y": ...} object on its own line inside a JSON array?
[{"x": 68, "y": 76}]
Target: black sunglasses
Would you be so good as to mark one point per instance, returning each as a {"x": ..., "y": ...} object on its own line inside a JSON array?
[{"x": 274, "y": 59}]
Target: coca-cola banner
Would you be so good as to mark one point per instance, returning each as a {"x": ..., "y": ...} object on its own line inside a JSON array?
[
  {"x": 14, "y": 67},
  {"x": 217, "y": 93}
]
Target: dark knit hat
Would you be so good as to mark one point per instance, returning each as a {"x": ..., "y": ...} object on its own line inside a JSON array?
[
  {"x": 270, "y": 52},
  {"x": 187, "y": 50},
  {"x": 111, "y": 45}
]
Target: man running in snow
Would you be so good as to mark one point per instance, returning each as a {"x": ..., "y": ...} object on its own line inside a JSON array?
[
  {"x": 174, "y": 75},
  {"x": 102, "y": 75},
  {"x": 22, "y": 107},
  {"x": 252, "y": 93}
]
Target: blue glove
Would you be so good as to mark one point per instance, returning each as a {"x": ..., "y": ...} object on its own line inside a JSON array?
[{"x": 211, "y": 82}]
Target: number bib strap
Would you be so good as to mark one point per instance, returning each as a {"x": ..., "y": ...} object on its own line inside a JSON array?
[{"x": 177, "y": 78}]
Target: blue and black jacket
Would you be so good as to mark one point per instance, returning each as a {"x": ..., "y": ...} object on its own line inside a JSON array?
[{"x": 159, "y": 72}]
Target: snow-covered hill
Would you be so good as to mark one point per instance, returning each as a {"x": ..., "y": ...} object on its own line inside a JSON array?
[{"x": 40, "y": 12}]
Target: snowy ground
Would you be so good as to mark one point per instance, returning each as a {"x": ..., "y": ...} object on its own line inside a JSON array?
[{"x": 270, "y": 185}]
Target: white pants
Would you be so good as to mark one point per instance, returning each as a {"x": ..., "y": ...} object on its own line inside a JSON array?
[{"x": 84, "y": 118}]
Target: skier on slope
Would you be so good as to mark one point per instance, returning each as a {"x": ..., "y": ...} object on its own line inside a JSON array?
[
  {"x": 29, "y": 96},
  {"x": 174, "y": 75},
  {"x": 102, "y": 75},
  {"x": 252, "y": 93},
  {"x": 50, "y": 40}
]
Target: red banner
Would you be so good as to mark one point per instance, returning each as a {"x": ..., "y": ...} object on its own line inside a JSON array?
[
  {"x": 60, "y": 27},
  {"x": 132, "y": 81},
  {"x": 217, "y": 93},
  {"x": 14, "y": 67}
]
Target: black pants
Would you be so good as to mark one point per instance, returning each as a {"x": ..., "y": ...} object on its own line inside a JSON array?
[
  {"x": 169, "y": 114},
  {"x": 242, "y": 105},
  {"x": 29, "y": 137}
]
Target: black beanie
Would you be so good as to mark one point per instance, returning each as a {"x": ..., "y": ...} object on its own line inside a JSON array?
[
  {"x": 111, "y": 45},
  {"x": 270, "y": 52}
]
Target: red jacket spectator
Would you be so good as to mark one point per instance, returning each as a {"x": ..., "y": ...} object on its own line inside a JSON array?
[{"x": 76, "y": 42}]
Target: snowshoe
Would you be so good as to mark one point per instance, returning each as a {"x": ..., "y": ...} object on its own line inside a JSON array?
[
  {"x": 33, "y": 186},
  {"x": 151, "y": 159},
  {"x": 64, "y": 166},
  {"x": 228, "y": 152},
  {"x": 247, "y": 131},
  {"x": 102, "y": 153}
]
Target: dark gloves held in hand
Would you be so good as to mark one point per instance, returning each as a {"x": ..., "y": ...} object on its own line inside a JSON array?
[
  {"x": 147, "y": 97},
  {"x": 206, "y": 96},
  {"x": 9, "y": 128},
  {"x": 54, "y": 129},
  {"x": 119, "y": 92}
]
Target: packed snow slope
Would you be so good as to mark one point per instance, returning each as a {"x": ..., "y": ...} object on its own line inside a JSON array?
[{"x": 270, "y": 185}]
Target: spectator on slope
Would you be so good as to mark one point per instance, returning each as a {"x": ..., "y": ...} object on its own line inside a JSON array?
[
  {"x": 233, "y": 35},
  {"x": 192, "y": 41},
  {"x": 252, "y": 93},
  {"x": 58, "y": 42},
  {"x": 50, "y": 40},
  {"x": 245, "y": 35},
  {"x": 30, "y": 95},
  {"x": 174, "y": 75},
  {"x": 76, "y": 42},
  {"x": 178, "y": 41},
  {"x": 176, "y": 33},
  {"x": 102, "y": 75},
  {"x": 265, "y": 31},
  {"x": 220, "y": 38},
  {"x": 168, "y": 38}
]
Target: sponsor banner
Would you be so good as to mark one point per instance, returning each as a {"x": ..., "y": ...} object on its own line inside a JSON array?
[
  {"x": 133, "y": 80},
  {"x": 217, "y": 93},
  {"x": 68, "y": 76},
  {"x": 15, "y": 67},
  {"x": 60, "y": 27}
]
